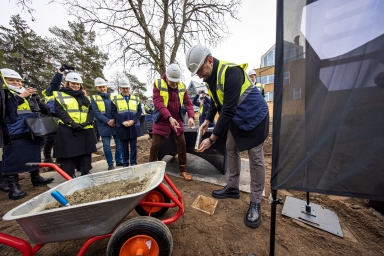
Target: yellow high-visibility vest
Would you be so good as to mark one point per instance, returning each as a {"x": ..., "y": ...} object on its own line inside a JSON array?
[
  {"x": 163, "y": 88},
  {"x": 246, "y": 88},
  {"x": 123, "y": 106},
  {"x": 100, "y": 103},
  {"x": 71, "y": 106}
]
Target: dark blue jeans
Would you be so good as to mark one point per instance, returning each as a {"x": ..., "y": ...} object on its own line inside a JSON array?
[
  {"x": 107, "y": 149},
  {"x": 125, "y": 145}
]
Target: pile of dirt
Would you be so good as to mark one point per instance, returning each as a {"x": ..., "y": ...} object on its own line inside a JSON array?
[{"x": 103, "y": 192}]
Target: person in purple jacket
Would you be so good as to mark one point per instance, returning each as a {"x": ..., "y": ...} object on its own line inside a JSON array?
[{"x": 169, "y": 95}]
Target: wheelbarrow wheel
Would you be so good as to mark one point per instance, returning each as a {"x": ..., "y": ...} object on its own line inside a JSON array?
[
  {"x": 141, "y": 236},
  {"x": 156, "y": 196}
]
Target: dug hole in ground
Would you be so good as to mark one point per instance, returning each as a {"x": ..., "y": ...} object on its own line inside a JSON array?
[{"x": 224, "y": 232}]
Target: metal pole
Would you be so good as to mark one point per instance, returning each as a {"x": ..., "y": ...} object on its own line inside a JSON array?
[{"x": 273, "y": 223}]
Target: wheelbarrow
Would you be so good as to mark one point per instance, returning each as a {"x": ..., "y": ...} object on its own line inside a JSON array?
[{"x": 144, "y": 235}]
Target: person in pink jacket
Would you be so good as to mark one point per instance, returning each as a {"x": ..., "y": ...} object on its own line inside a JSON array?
[{"x": 169, "y": 95}]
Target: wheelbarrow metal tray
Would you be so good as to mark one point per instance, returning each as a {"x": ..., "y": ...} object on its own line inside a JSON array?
[{"x": 88, "y": 219}]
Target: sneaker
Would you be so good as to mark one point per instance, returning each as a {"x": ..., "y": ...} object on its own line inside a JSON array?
[
  {"x": 85, "y": 173},
  {"x": 119, "y": 164},
  {"x": 110, "y": 167}
]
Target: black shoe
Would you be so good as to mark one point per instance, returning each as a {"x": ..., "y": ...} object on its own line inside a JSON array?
[
  {"x": 85, "y": 173},
  {"x": 119, "y": 164},
  {"x": 226, "y": 192},
  {"x": 37, "y": 180},
  {"x": 15, "y": 192},
  {"x": 253, "y": 217},
  {"x": 110, "y": 167}
]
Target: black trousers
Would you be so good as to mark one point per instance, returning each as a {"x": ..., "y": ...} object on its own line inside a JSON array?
[
  {"x": 81, "y": 163},
  {"x": 49, "y": 141}
]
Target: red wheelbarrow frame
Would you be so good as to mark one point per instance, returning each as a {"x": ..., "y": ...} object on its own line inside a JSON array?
[{"x": 27, "y": 250}]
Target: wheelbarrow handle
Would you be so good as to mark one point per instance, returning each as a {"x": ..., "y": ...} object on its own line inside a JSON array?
[
  {"x": 53, "y": 166},
  {"x": 32, "y": 164}
]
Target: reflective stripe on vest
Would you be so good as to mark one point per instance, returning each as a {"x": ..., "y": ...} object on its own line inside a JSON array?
[
  {"x": 100, "y": 103},
  {"x": 123, "y": 106},
  {"x": 71, "y": 106},
  {"x": 246, "y": 88},
  {"x": 163, "y": 88},
  {"x": 23, "y": 108}
]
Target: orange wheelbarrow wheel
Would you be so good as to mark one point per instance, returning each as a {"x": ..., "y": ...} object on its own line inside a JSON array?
[
  {"x": 141, "y": 236},
  {"x": 156, "y": 196}
]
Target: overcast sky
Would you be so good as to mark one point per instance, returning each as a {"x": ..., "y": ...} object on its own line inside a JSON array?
[{"x": 250, "y": 38}]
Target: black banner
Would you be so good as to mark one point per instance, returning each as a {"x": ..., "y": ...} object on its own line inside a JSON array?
[{"x": 329, "y": 99}]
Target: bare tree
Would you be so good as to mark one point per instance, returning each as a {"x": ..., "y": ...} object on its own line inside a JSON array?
[
  {"x": 151, "y": 33},
  {"x": 113, "y": 82},
  {"x": 25, "y": 5}
]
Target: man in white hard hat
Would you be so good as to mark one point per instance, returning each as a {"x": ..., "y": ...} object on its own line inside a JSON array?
[
  {"x": 101, "y": 104},
  {"x": 148, "y": 106},
  {"x": 126, "y": 110},
  {"x": 169, "y": 95},
  {"x": 252, "y": 76},
  {"x": 243, "y": 119}
]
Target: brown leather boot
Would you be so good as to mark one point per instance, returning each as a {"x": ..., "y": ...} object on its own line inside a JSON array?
[{"x": 186, "y": 176}]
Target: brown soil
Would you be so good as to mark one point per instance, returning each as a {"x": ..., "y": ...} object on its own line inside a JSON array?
[
  {"x": 224, "y": 232},
  {"x": 106, "y": 191}
]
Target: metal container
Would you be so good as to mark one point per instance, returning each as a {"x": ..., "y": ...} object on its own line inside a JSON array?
[
  {"x": 198, "y": 139},
  {"x": 89, "y": 219}
]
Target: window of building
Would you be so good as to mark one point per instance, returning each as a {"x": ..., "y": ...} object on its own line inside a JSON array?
[
  {"x": 270, "y": 79},
  {"x": 268, "y": 96},
  {"x": 268, "y": 59},
  {"x": 296, "y": 93},
  {"x": 287, "y": 78}
]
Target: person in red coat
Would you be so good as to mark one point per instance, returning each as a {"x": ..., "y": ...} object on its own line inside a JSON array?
[{"x": 169, "y": 95}]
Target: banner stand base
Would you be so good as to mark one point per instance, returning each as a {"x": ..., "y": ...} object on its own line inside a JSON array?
[{"x": 319, "y": 217}]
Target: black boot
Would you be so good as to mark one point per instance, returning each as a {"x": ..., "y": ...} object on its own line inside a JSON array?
[
  {"x": 37, "y": 180},
  {"x": 226, "y": 192},
  {"x": 253, "y": 217},
  {"x": 3, "y": 184},
  {"x": 14, "y": 187}
]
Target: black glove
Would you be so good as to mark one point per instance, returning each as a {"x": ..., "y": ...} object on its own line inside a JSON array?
[
  {"x": 76, "y": 126},
  {"x": 84, "y": 124},
  {"x": 66, "y": 67}
]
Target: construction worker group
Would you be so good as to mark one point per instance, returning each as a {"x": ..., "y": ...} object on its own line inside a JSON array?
[{"x": 231, "y": 93}]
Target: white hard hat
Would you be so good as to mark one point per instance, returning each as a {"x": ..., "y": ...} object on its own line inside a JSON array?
[
  {"x": 73, "y": 77},
  {"x": 10, "y": 73},
  {"x": 100, "y": 82},
  {"x": 251, "y": 72},
  {"x": 195, "y": 57},
  {"x": 150, "y": 98},
  {"x": 173, "y": 73},
  {"x": 124, "y": 83}
]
